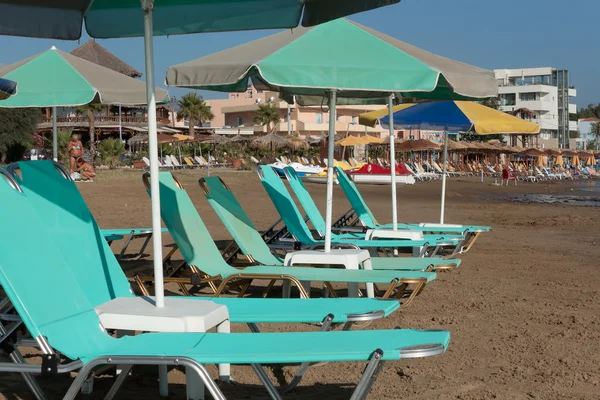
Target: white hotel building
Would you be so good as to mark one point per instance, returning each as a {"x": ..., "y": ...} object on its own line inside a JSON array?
[{"x": 542, "y": 95}]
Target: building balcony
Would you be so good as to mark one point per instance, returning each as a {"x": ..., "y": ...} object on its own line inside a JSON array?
[
  {"x": 572, "y": 108},
  {"x": 537, "y": 105},
  {"x": 573, "y": 126},
  {"x": 537, "y": 88},
  {"x": 572, "y": 92}
]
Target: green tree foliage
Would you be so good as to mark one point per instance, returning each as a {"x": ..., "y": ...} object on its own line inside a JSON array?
[
  {"x": 193, "y": 108},
  {"x": 592, "y": 111},
  {"x": 111, "y": 150},
  {"x": 491, "y": 102},
  {"x": 17, "y": 126},
  {"x": 266, "y": 115},
  {"x": 91, "y": 110},
  {"x": 62, "y": 141}
]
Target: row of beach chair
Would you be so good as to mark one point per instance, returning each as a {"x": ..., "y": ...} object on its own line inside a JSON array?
[{"x": 91, "y": 298}]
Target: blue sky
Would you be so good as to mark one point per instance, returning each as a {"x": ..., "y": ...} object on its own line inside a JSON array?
[{"x": 490, "y": 34}]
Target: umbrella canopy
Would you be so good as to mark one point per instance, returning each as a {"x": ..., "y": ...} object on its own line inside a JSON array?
[
  {"x": 575, "y": 160},
  {"x": 297, "y": 142},
  {"x": 532, "y": 152},
  {"x": 349, "y": 141},
  {"x": 418, "y": 145},
  {"x": 270, "y": 141},
  {"x": 161, "y": 137},
  {"x": 215, "y": 139},
  {"x": 314, "y": 61},
  {"x": 184, "y": 138},
  {"x": 455, "y": 116},
  {"x": 456, "y": 146},
  {"x": 368, "y": 139},
  {"x": 7, "y": 88},
  {"x": 240, "y": 139},
  {"x": 559, "y": 160},
  {"x": 58, "y": 79},
  {"x": 511, "y": 149},
  {"x": 586, "y": 153},
  {"x": 63, "y": 19},
  {"x": 568, "y": 152},
  {"x": 552, "y": 152}
]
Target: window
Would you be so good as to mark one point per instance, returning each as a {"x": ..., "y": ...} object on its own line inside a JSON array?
[
  {"x": 319, "y": 118},
  {"x": 240, "y": 121},
  {"x": 508, "y": 99},
  {"x": 249, "y": 93},
  {"x": 529, "y": 96},
  {"x": 354, "y": 119}
]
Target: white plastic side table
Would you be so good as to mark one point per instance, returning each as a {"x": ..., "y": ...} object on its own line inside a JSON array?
[
  {"x": 349, "y": 258},
  {"x": 178, "y": 315},
  {"x": 400, "y": 234}
]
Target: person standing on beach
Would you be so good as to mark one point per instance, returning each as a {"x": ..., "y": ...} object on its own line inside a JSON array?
[{"x": 75, "y": 149}]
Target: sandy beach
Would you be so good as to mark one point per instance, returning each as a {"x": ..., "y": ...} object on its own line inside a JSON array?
[{"x": 522, "y": 310}]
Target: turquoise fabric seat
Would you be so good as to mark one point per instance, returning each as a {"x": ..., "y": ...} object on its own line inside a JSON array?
[
  {"x": 318, "y": 222},
  {"x": 198, "y": 248},
  {"x": 367, "y": 219},
  {"x": 239, "y": 225}
]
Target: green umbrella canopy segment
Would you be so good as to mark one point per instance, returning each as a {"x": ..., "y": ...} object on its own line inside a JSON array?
[
  {"x": 58, "y": 79},
  {"x": 63, "y": 19},
  {"x": 314, "y": 61}
]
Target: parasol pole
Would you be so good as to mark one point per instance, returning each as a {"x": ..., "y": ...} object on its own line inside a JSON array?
[
  {"x": 444, "y": 177},
  {"x": 393, "y": 162},
  {"x": 54, "y": 136},
  {"x": 147, "y": 6},
  {"x": 331, "y": 144},
  {"x": 120, "y": 126}
]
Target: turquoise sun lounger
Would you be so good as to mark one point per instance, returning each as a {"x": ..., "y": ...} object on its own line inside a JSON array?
[
  {"x": 367, "y": 219},
  {"x": 66, "y": 322},
  {"x": 110, "y": 235},
  {"x": 296, "y": 225},
  {"x": 57, "y": 199},
  {"x": 129, "y": 235},
  {"x": 199, "y": 251},
  {"x": 253, "y": 246},
  {"x": 456, "y": 241}
]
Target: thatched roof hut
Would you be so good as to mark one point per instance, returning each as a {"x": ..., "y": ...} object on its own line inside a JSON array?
[{"x": 97, "y": 54}]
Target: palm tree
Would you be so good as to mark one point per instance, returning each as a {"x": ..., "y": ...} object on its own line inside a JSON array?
[
  {"x": 193, "y": 108},
  {"x": 267, "y": 113},
  {"x": 90, "y": 110}
]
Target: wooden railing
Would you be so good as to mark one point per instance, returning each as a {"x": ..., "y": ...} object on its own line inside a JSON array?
[{"x": 99, "y": 119}]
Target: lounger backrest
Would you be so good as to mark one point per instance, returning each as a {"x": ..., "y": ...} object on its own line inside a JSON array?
[
  {"x": 188, "y": 230},
  {"x": 40, "y": 283},
  {"x": 357, "y": 202},
  {"x": 67, "y": 218},
  {"x": 287, "y": 209},
  {"x": 237, "y": 221},
  {"x": 305, "y": 200}
]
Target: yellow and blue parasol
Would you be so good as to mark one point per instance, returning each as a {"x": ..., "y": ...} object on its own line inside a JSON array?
[{"x": 7, "y": 88}]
